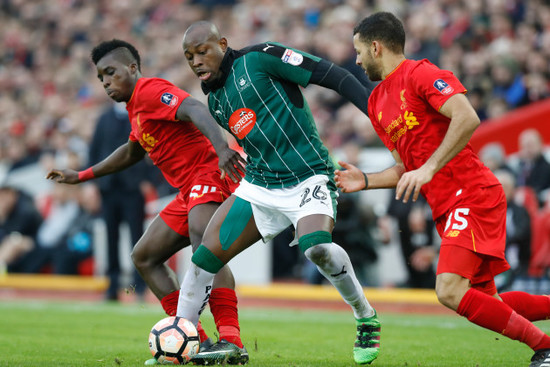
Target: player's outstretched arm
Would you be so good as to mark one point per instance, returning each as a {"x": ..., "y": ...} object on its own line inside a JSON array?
[
  {"x": 352, "y": 179},
  {"x": 332, "y": 76},
  {"x": 122, "y": 158},
  {"x": 66, "y": 176},
  {"x": 230, "y": 161}
]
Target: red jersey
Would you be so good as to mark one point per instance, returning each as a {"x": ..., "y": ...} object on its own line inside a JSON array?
[
  {"x": 178, "y": 148},
  {"x": 404, "y": 109}
]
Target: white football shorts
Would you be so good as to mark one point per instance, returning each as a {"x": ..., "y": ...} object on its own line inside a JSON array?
[{"x": 275, "y": 209}]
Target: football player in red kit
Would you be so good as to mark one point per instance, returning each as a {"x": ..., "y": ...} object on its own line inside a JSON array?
[
  {"x": 423, "y": 117},
  {"x": 168, "y": 125}
]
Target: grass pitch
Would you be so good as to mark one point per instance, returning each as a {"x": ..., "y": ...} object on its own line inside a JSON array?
[{"x": 41, "y": 333}]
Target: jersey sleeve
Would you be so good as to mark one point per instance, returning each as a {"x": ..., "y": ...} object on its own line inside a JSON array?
[
  {"x": 435, "y": 85},
  {"x": 161, "y": 99},
  {"x": 286, "y": 63}
]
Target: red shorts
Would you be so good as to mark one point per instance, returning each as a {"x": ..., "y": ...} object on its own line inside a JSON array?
[
  {"x": 473, "y": 238},
  {"x": 205, "y": 188},
  {"x": 477, "y": 223},
  {"x": 480, "y": 269}
]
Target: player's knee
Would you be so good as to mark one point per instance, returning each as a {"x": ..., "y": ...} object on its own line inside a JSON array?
[
  {"x": 206, "y": 260},
  {"x": 444, "y": 296},
  {"x": 450, "y": 289},
  {"x": 317, "y": 247},
  {"x": 310, "y": 240},
  {"x": 141, "y": 257},
  {"x": 318, "y": 254},
  {"x": 138, "y": 257}
]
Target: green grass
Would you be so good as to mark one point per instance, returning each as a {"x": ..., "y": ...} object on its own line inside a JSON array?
[{"x": 39, "y": 333}]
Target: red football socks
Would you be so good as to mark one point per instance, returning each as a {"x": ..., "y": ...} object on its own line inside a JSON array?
[
  {"x": 532, "y": 307},
  {"x": 170, "y": 303},
  {"x": 223, "y": 305},
  {"x": 492, "y": 314}
]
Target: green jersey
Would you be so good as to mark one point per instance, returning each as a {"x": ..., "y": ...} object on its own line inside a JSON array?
[{"x": 259, "y": 101}]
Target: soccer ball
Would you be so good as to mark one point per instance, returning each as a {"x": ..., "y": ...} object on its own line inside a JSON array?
[{"x": 174, "y": 340}]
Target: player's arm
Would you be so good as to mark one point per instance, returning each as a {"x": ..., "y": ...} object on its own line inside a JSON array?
[
  {"x": 464, "y": 121},
  {"x": 352, "y": 179},
  {"x": 304, "y": 69},
  {"x": 123, "y": 157},
  {"x": 340, "y": 80},
  {"x": 230, "y": 161}
]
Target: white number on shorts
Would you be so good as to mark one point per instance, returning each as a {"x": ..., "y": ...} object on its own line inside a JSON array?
[{"x": 459, "y": 221}]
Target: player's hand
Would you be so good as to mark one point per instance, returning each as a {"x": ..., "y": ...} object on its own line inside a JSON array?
[
  {"x": 411, "y": 182},
  {"x": 231, "y": 164},
  {"x": 66, "y": 176},
  {"x": 349, "y": 180}
]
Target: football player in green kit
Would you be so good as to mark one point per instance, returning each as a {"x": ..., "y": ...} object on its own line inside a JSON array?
[{"x": 254, "y": 93}]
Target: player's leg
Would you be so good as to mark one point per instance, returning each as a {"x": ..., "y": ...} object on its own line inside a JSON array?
[
  {"x": 150, "y": 254},
  {"x": 235, "y": 222},
  {"x": 154, "y": 248},
  {"x": 479, "y": 302},
  {"x": 240, "y": 232},
  {"x": 532, "y": 307},
  {"x": 315, "y": 240},
  {"x": 223, "y": 300}
]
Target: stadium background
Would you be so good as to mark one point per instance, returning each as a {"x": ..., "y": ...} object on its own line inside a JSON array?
[{"x": 50, "y": 97}]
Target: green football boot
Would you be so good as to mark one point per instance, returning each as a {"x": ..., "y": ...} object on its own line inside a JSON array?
[{"x": 367, "y": 343}]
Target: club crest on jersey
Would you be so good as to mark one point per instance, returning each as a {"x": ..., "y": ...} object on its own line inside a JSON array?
[
  {"x": 242, "y": 83},
  {"x": 443, "y": 87},
  {"x": 292, "y": 57},
  {"x": 169, "y": 99},
  {"x": 242, "y": 121}
]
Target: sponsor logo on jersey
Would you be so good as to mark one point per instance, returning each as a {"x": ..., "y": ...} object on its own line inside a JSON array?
[
  {"x": 148, "y": 141},
  {"x": 443, "y": 87},
  {"x": 400, "y": 125},
  {"x": 242, "y": 121},
  {"x": 169, "y": 99},
  {"x": 292, "y": 57},
  {"x": 410, "y": 119}
]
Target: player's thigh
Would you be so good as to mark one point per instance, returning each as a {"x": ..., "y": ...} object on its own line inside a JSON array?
[
  {"x": 317, "y": 197},
  {"x": 199, "y": 217},
  {"x": 314, "y": 223},
  {"x": 158, "y": 243},
  {"x": 231, "y": 230}
]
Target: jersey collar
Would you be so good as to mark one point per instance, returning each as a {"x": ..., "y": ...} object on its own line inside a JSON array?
[{"x": 225, "y": 67}]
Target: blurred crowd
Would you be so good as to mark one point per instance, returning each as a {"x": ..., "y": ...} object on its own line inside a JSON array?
[{"x": 51, "y": 100}]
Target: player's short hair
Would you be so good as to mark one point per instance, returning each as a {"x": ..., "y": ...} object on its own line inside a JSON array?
[
  {"x": 106, "y": 47},
  {"x": 383, "y": 27}
]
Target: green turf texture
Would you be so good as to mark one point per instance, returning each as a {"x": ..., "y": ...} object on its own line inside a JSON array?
[{"x": 40, "y": 333}]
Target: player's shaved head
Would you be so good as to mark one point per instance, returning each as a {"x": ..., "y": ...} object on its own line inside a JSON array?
[
  {"x": 201, "y": 32},
  {"x": 122, "y": 51},
  {"x": 204, "y": 50}
]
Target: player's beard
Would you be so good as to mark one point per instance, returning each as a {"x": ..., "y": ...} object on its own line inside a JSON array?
[{"x": 373, "y": 71}]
